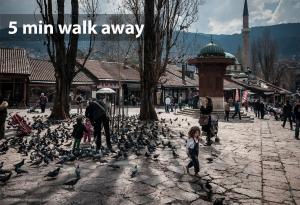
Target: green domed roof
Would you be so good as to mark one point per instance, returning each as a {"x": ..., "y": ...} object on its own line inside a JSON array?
[{"x": 212, "y": 49}]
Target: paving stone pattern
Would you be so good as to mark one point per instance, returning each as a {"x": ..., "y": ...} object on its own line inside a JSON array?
[{"x": 255, "y": 163}]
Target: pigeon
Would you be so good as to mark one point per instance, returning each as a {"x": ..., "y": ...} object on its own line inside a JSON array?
[
  {"x": 2, "y": 171},
  {"x": 208, "y": 186},
  {"x": 68, "y": 144},
  {"x": 20, "y": 171},
  {"x": 77, "y": 171},
  {"x": 72, "y": 182},
  {"x": 20, "y": 164},
  {"x": 134, "y": 172},
  {"x": 181, "y": 135},
  {"x": 219, "y": 201},
  {"x": 53, "y": 173},
  {"x": 155, "y": 156},
  {"x": 37, "y": 162},
  {"x": 210, "y": 159},
  {"x": 147, "y": 155},
  {"x": 5, "y": 178},
  {"x": 175, "y": 155},
  {"x": 114, "y": 166}
]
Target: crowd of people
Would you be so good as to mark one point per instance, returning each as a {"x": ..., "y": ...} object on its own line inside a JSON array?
[{"x": 172, "y": 103}]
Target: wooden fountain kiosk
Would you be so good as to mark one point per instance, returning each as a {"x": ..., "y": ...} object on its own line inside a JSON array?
[{"x": 211, "y": 64}]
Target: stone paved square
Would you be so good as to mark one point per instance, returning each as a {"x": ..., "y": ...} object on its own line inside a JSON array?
[{"x": 254, "y": 163}]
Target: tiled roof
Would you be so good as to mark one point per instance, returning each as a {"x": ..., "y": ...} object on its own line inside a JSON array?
[
  {"x": 110, "y": 71},
  {"x": 43, "y": 71},
  {"x": 127, "y": 73},
  {"x": 231, "y": 85},
  {"x": 14, "y": 61},
  {"x": 173, "y": 76},
  {"x": 95, "y": 68}
]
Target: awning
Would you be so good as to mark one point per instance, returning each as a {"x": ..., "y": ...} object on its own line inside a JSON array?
[
  {"x": 268, "y": 93},
  {"x": 106, "y": 91}
]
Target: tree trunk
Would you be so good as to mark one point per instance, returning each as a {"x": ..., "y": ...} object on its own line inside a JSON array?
[
  {"x": 147, "y": 111},
  {"x": 60, "y": 110}
]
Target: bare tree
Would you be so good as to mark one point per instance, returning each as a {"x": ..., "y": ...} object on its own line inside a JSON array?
[
  {"x": 278, "y": 73},
  {"x": 266, "y": 51},
  {"x": 254, "y": 59},
  {"x": 164, "y": 21},
  {"x": 62, "y": 52}
]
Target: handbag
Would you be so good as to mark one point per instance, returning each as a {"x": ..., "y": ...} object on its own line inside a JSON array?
[{"x": 204, "y": 119}]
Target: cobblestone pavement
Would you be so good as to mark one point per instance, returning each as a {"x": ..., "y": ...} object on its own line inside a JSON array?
[{"x": 254, "y": 163}]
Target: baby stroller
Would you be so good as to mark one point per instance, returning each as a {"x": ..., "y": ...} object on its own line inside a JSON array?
[
  {"x": 23, "y": 128},
  {"x": 214, "y": 127},
  {"x": 33, "y": 108}
]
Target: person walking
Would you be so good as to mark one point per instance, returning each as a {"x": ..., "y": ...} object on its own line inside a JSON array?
[
  {"x": 3, "y": 116},
  {"x": 262, "y": 109},
  {"x": 192, "y": 146},
  {"x": 79, "y": 102},
  {"x": 297, "y": 118},
  {"x": 287, "y": 114},
  {"x": 97, "y": 112},
  {"x": 257, "y": 108},
  {"x": 205, "y": 111},
  {"x": 227, "y": 111},
  {"x": 43, "y": 102},
  {"x": 167, "y": 104},
  {"x": 180, "y": 102},
  {"x": 237, "y": 109}
]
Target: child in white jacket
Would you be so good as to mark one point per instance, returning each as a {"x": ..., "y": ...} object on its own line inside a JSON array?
[{"x": 192, "y": 146}]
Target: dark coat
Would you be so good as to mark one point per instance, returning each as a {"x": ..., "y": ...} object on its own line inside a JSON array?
[
  {"x": 206, "y": 110},
  {"x": 287, "y": 110},
  {"x": 78, "y": 130},
  {"x": 297, "y": 111},
  {"x": 43, "y": 100},
  {"x": 95, "y": 112},
  {"x": 3, "y": 111}
]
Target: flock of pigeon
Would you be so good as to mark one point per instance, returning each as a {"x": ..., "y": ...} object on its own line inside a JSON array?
[{"x": 48, "y": 147}]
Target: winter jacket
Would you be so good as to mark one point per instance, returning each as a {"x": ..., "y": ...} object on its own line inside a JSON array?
[
  {"x": 95, "y": 112},
  {"x": 206, "y": 110},
  {"x": 297, "y": 111},
  {"x": 78, "y": 130},
  {"x": 192, "y": 147},
  {"x": 43, "y": 100},
  {"x": 3, "y": 110},
  {"x": 287, "y": 110}
]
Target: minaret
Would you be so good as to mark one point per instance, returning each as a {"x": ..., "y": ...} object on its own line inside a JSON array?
[{"x": 246, "y": 33}]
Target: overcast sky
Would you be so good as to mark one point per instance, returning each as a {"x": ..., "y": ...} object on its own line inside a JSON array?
[{"x": 215, "y": 16}]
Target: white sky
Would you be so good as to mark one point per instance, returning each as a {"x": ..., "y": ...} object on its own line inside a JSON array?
[{"x": 215, "y": 16}]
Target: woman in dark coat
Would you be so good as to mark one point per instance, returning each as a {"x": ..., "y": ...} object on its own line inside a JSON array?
[
  {"x": 3, "y": 115},
  {"x": 206, "y": 109}
]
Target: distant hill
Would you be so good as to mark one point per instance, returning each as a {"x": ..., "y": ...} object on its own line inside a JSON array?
[{"x": 286, "y": 35}]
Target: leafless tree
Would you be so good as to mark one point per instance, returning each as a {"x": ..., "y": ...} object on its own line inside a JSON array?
[
  {"x": 164, "y": 20},
  {"x": 62, "y": 49},
  {"x": 254, "y": 59},
  {"x": 267, "y": 53}
]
